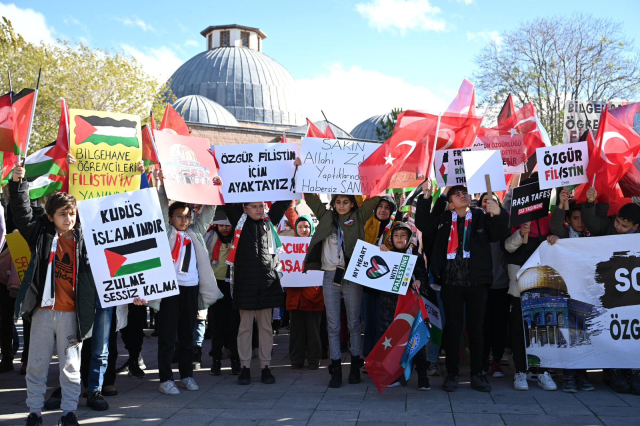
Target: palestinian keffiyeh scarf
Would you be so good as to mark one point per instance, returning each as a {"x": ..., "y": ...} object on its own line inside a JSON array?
[
  {"x": 575, "y": 234},
  {"x": 452, "y": 247},
  {"x": 275, "y": 245},
  {"x": 385, "y": 238},
  {"x": 181, "y": 253}
]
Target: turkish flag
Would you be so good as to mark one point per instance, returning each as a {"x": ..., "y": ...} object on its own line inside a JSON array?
[
  {"x": 630, "y": 114},
  {"x": 174, "y": 121},
  {"x": 383, "y": 362},
  {"x": 615, "y": 150},
  {"x": 328, "y": 132},
  {"x": 313, "y": 131},
  {"x": 465, "y": 101},
  {"x": 6, "y": 124}
]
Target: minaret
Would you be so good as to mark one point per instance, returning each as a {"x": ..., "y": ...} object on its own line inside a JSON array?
[{"x": 233, "y": 36}]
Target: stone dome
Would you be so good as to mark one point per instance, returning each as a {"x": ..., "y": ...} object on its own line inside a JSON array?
[
  {"x": 198, "y": 109},
  {"x": 367, "y": 129},
  {"x": 542, "y": 277},
  {"x": 247, "y": 83}
]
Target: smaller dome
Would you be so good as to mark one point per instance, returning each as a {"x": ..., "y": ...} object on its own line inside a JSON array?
[
  {"x": 201, "y": 110},
  {"x": 541, "y": 277},
  {"x": 367, "y": 129}
]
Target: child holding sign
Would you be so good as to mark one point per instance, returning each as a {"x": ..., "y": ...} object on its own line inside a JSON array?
[{"x": 61, "y": 299}]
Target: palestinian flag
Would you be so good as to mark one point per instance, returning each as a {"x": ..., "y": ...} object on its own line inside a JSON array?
[
  {"x": 149, "y": 152},
  {"x": 39, "y": 167},
  {"x": 132, "y": 258},
  {"x": 106, "y": 130},
  {"x": 444, "y": 167}
]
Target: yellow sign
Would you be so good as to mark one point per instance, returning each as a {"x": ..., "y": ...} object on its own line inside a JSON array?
[
  {"x": 107, "y": 147},
  {"x": 20, "y": 253}
]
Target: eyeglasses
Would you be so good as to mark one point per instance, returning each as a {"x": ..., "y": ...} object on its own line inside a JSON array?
[{"x": 183, "y": 217}]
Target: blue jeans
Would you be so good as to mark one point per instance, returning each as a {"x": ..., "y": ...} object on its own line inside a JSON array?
[
  {"x": 198, "y": 334},
  {"x": 433, "y": 349},
  {"x": 99, "y": 346},
  {"x": 371, "y": 316},
  {"x": 352, "y": 293}
]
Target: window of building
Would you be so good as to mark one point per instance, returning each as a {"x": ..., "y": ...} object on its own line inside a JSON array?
[
  {"x": 244, "y": 38},
  {"x": 225, "y": 39}
]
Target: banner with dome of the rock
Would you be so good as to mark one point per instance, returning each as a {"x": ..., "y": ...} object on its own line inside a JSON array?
[
  {"x": 581, "y": 303},
  {"x": 107, "y": 147},
  {"x": 188, "y": 169}
]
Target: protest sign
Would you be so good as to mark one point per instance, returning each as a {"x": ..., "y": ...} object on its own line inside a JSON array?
[
  {"x": 477, "y": 164},
  {"x": 562, "y": 165},
  {"x": 449, "y": 167},
  {"x": 406, "y": 180},
  {"x": 382, "y": 270},
  {"x": 107, "y": 147},
  {"x": 128, "y": 248},
  {"x": 330, "y": 166},
  {"x": 582, "y": 115},
  {"x": 529, "y": 203},
  {"x": 20, "y": 253},
  {"x": 257, "y": 171},
  {"x": 581, "y": 303},
  {"x": 435, "y": 317},
  {"x": 292, "y": 260},
  {"x": 511, "y": 148},
  {"x": 188, "y": 168}
]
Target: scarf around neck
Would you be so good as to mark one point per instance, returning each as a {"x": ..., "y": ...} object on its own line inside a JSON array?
[
  {"x": 275, "y": 245},
  {"x": 452, "y": 247},
  {"x": 181, "y": 253},
  {"x": 575, "y": 234}
]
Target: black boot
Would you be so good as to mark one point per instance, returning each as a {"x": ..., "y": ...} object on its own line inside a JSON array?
[
  {"x": 235, "y": 367},
  {"x": 335, "y": 369},
  {"x": 97, "y": 402},
  {"x": 197, "y": 358},
  {"x": 245, "y": 376},
  {"x": 216, "y": 367},
  {"x": 354, "y": 373}
]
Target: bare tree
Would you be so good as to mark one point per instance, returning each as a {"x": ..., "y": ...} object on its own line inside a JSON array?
[{"x": 552, "y": 60}]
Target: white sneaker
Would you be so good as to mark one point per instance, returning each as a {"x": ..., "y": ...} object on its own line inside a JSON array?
[
  {"x": 189, "y": 384},
  {"x": 520, "y": 382},
  {"x": 546, "y": 382},
  {"x": 169, "y": 388}
]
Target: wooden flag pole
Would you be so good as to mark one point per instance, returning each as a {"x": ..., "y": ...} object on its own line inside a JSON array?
[
  {"x": 487, "y": 179},
  {"x": 10, "y": 85}
]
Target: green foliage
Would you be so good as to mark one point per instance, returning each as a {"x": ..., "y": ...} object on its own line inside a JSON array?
[
  {"x": 86, "y": 78},
  {"x": 387, "y": 124}
]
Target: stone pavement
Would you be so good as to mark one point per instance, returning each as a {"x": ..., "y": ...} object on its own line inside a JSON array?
[{"x": 302, "y": 398}]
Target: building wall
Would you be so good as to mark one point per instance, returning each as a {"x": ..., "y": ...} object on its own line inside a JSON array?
[
  {"x": 227, "y": 135},
  {"x": 234, "y": 39}
]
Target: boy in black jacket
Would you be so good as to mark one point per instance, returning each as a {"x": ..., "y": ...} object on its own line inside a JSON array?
[
  {"x": 61, "y": 298},
  {"x": 461, "y": 263}
]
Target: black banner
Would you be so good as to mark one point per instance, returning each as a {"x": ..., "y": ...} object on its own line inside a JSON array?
[{"x": 529, "y": 203}]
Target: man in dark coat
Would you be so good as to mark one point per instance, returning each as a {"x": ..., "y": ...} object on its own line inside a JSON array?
[{"x": 255, "y": 278}]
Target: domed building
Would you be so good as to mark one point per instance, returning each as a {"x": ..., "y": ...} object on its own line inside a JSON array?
[
  {"x": 201, "y": 110},
  {"x": 551, "y": 316},
  {"x": 367, "y": 129},
  {"x": 234, "y": 73}
]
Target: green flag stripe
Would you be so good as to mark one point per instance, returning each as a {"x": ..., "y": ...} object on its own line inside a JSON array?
[
  {"x": 43, "y": 191},
  {"x": 112, "y": 140},
  {"x": 40, "y": 169},
  {"x": 138, "y": 267}
]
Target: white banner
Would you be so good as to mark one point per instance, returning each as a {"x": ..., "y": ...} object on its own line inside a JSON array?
[
  {"x": 383, "y": 270},
  {"x": 128, "y": 247},
  {"x": 292, "y": 260},
  {"x": 257, "y": 171},
  {"x": 562, "y": 165},
  {"x": 449, "y": 167},
  {"x": 581, "y": 303},
  {"x": 330, "y": 166},
  {"x": 582, "y": 115},
  {"x": 478, "y": 164}
]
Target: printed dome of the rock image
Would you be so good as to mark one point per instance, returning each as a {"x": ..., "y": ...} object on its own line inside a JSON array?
[
  {"x": 542, "y": 277},
  {"x": 234, "y": 73}
]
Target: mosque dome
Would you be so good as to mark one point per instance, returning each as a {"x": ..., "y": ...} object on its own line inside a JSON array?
[
  {"x": 367, "y": 129},
  {"x": 201, "y": 110},
  {"x": 542, "y": 277},
  {"x": 234, "y": 73}
]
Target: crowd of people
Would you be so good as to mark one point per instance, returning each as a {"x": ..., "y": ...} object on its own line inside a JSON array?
[{"x": 228, "y": 271}]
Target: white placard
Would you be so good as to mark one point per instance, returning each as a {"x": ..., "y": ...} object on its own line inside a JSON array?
[
  {"x": 292, "y": 260},
  {"x": 383, "y": 270},
  {"x": 449, "y": 166},
  {"x": 582, "y": 115},
  {"x": 128, "y": 248},
  {"x": 330, "y": 166},
  {"x": 563, "y": 165},
  {"x": 257, "y": 171},
  {"x": 480, "y": 163}
]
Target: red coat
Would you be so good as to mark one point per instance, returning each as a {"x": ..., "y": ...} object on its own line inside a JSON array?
[{"x": 307, "y": 299}]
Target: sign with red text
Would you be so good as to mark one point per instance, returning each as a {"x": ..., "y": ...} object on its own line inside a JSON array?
[
  {"x": 292, "y": 260},
  {"x": 188, "y": 169},
  {"x": 563, "y": 165},
  {"x": 580, "y": 116},
  {"x": 107, "y": 147},
  {"x": 529, "y": 203},
  {"x": 20, "y": 253}
]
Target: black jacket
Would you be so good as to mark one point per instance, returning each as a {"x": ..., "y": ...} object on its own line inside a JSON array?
[
  {"x": 256, "y": 284},
  {"x": 39, "y": 233},
  {"x": 435, "y": 227}
]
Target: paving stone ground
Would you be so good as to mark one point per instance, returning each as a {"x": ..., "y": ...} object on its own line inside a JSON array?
[{"x": 302, "y": 398}]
